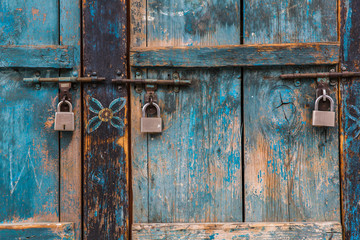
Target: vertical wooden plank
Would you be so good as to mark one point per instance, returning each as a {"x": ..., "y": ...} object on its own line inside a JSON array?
[
  {"x": 29, "y": 168},
  {"x": 70, "y": 142},
  {"x": 291, "y": 168},
  {"x": 350, "y": 114},
  {"x": 138, "y": 23},
  {"x": 105, "y": 181},
  {"x": 139, "y": 167},
  {"x": 191, "y": 172}
]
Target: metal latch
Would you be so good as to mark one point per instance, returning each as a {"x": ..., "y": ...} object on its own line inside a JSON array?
[
  {"x": 151, "y": 86},
  {"x": 64, "y": 84},
  {"x": 323, "y": 81}
]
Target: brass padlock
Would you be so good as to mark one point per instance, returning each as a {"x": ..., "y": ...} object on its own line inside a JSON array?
[
  {"x": 152, "y": 124},
  {"x": 64, "y": 121},
  {"x": 324, "y": 118}
]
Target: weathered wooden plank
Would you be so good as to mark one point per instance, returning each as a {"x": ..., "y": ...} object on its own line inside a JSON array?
[
  {"x": 29, "y": 147},
  {"x": 261, "y": 231},
  {"x": 193, "y": 23},
  {"x": 272, "y": 21},
  {"x": 30, "y": 22},
  {"x": 53, "y": 56},
  {"x": 105, "y": 181},
  {"x": 48, "y": 231},
  {"x": 70, "y": 142},
  {"x": 237, "y": 56},
  {"x": 350, "y": 143},
  {"x": 138, "y": 23},
  {"x": 191, "y": 172},
  {"x": 29, "y": 175},
  {"x": 291, "y": 168}
]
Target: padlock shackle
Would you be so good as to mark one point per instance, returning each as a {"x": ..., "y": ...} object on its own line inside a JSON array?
[
  {"x": 148, "y": 104},
  {"x": 324, "y": 96},
  {"x": 64, "y": 101}
]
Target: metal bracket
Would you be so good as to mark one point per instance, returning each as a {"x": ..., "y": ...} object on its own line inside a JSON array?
[
  {"x": 324, "y": 80},
  {"x": 64, "y": 84},
  {"x": 138, "y": 87},
  {"x": 323, "y": 88},
  {"x": 64, "y": 94}
]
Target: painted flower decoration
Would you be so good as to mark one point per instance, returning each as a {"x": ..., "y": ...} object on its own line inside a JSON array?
[
  {"x": 105, "y": 114},
  {"x": 353, "y": 113}
]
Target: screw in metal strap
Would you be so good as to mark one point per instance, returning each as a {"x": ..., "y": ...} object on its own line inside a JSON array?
[
  {"x": 148, "y": 104},
  {"x": 326, "y": 97},
  {"x": 64, "y": 101}
]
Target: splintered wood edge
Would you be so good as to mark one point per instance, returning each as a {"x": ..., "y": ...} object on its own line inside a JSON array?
[
  {"x": 19, "y": 226},
  {"x": 312, "y": 230}
]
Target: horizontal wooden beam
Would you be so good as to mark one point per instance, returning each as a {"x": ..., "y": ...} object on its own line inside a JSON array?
[
  {"x": 300, "y": 230},
  {"x": 54, "y": 231},
  {"x": 49, "y": 56},
  {"x": 236, "y": 55}
]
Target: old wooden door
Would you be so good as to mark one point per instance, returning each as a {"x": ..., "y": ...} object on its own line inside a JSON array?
[
  {"x": 238, "y": 144},
  {"x": 40, "y": 174}
]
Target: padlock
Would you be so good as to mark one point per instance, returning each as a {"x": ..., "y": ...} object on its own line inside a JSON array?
[
  {"x": 64, "y": 121},
  {"x": 323, "y": 118},
  {"x": 152, "y": 124}
]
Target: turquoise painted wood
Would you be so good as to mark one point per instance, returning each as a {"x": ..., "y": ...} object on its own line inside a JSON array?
[
  {"x": 188, "y": 173},
  {"x": 36, "y": 56},
  {"x": 194, "y": 171},
  {"x": 48, "y": 231},
  {"x": 33, "y": 187},
  {"x": 236, "y": 56},
  {"x": 32, "y": 22},
  {"x": 291, "y": 168},
  {"x": 70, "y": 142},
  {"x": 29, "y": 152}
]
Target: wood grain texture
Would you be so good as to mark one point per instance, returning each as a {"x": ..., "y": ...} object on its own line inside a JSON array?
[
  {"x": 236, "y": 56},
  {"x": 30, "y": 22},
  {"x": 350, "y": 143},
  {"x": 29, "y": 147},
  {"x": 191, "y": 172},
  {"x": 105, "y": 181},
  {"x": 192, "y": 23},
  {"x": 36, "y": 56},
  {"x": 260, "y": 231},
  {"x": 70, "y": 142},
  {"x": 288, "y": 21},
  {"x": 48, "y": 231},
  {"x": 138, "y": 21},
  {"x": 291, "y": 167},
  {"x": 29, "y": 167}
]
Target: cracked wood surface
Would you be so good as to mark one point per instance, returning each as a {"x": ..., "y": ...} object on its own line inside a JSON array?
[
  {"x": 236, "y": 56},
  {"x": 106, "y": 175},
  {"x": 186, "y": 173},
  {"x": 29, "y": 147},
  {"x": 291, "y": 168},
  {"x": 191, "y": 172}
]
